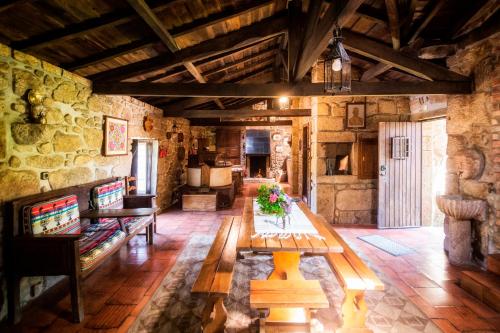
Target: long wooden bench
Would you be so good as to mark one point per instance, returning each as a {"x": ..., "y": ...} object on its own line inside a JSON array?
[
  {"x": 355, "y": 277},
  {"x": 280, "y": 295},
  {"x": 43, "y": 253},
  {"x": 216, "y": 274}
]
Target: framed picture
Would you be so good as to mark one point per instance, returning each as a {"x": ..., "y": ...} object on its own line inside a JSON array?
[
  {"x": 115, "y": 136},
  {"x": 356, "y": 115}
]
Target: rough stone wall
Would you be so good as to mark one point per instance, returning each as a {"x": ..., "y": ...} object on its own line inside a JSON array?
[
  {"x": 67, "y": 146},
  {"x": 346, "y": 199},
  {"x": 434, "y": 168},
  {"x": 474, "y": 123}
]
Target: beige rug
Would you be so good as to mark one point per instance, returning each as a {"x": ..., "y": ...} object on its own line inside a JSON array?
[{"x": 174, "y": 310}]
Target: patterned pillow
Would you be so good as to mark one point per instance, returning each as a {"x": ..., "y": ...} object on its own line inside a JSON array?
[
  {"x": 57, "y": 216},
  {"x": 109, "y": 195}
]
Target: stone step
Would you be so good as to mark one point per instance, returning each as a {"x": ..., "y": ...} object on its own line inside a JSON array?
[
  {"x": 493, "y": 263},
  {"x": 483, "y": 285}
]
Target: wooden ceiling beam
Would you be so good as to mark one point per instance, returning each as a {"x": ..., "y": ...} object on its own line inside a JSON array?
[
  {"x": 481, "y": 12},
  {"x": 157, "y": 26},
  {"x": 306, "y": 33},
  {"x": 373, "y": 14},
  {"x": 247, "y": 35},
  {"x": 175, "y": 32},
  {"x": 375, "y": 71},
  {"x": 394, "y": 22},
  {"x": 424, "y": 69},
  {"x": 181, "y": 70},
  {"x": 215, "y": 122},
  {"x": 381, "y": 68},
  {"x": 193, "y": 102},
  {"x": 84, "y": 28},
  {"x": 275, "y": 90},
  {"x": 338, "y": 15},
  {"x": 488, "y": 29},
  {"x": 243, "y": 113}
]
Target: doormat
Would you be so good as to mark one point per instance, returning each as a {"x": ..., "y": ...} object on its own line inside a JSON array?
[{"x": 386, "y": 245}]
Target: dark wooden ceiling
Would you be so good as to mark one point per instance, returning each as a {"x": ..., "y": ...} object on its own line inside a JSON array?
[{"x": 220, "y": 41}]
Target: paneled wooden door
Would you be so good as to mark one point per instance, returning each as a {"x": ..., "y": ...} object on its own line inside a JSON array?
[{"x": 400, "y": 174}]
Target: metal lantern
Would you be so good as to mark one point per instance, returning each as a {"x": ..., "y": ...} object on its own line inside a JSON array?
[{"x": 337, "y": 71}]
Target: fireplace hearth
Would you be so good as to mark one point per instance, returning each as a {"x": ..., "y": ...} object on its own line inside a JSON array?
[{"x": 258, "y": 166}]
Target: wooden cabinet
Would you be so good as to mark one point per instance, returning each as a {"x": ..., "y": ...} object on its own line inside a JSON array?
[
  {"x": 368, "y": 159},
  {"x": 228, "y": 142}
]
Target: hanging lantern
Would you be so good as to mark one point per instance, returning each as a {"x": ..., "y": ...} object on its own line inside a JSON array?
[{"x": 337, "y": 70}]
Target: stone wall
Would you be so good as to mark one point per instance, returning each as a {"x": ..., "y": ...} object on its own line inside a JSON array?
[
  {"x": 277, "y": 159},
  {"x": 346, "y": 199},
  {"x": 67, "y": 145},
  {"x": 473, "y": 123}
]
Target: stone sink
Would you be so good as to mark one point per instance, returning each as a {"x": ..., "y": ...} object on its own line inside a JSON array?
[{"x": 461, "y": 208}]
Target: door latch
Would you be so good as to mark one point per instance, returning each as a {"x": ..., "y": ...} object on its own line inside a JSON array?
[{"x": 382, "y": 170}]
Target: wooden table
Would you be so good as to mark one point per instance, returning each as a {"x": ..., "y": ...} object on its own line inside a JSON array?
[
  {"x": 117, "y": 213},
  {"x": 286, "y": 253}
]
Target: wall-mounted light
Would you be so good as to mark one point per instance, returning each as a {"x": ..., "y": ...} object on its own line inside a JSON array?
[
  {"x": 284, "y": 102},
  {"x": 37, "y": 109}
]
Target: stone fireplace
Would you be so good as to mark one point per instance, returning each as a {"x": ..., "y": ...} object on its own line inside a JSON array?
[{"x": 257, "y": 166}]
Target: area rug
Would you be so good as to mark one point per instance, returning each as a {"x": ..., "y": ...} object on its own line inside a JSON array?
[
  {"x": 173, "y": 309},
  {"x": 386, "y": 245}
]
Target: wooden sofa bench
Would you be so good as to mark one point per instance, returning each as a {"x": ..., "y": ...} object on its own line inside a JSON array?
[
  {"x": 355, "y": 277},
  {"x": 216, "y": 274},
  {"x": 46, "y": 237},
  {"x": 286, "y": 294}
]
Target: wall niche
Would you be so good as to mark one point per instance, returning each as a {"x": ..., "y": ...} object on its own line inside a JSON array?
[{"x": 338, "y": 158}]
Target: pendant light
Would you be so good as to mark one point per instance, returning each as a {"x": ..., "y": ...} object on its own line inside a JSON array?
[{"x": 337, "y": 66}]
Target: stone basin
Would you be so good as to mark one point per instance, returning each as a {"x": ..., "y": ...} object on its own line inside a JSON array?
[{"x": 461, "y": 208}]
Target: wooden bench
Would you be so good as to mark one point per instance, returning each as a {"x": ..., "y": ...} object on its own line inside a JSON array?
[
  {"x": 355, "y": 277},
  {"x": 286, "y": 294},
  {"x": 41, "y": 254},
  {"x": 216, "y": 274}
]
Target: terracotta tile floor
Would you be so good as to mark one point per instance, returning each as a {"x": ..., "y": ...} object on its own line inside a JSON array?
[{"x": 117, "y": 291}]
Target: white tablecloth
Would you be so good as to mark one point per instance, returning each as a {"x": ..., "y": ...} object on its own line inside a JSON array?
[{"x": 267, "y": 226}]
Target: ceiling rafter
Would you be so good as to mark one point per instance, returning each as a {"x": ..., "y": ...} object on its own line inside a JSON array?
[
  {"x": 424, "y": 69},
  {"x": 192, "y": 102},
  {"x": 274, "y": 90},
  {"x": 259, "y": 31},
  {"x": 177, "y": 32},
  {"x": 157, "y": 26},
  {"x": 86, "y": 27},
  {"x": 335, "y": 15}
]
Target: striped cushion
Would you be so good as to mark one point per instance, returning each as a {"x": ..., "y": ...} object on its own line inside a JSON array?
[
  {"x": 57, "y": 216},
  {"x": 109, "y": 195},
  {"x": 95, "y": 244},
  {"x": 132, "y": 224},
  {"x": 112, "y": 224}
]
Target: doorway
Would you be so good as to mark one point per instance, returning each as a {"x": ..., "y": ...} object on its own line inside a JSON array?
[{"x": 434, "y": 143}]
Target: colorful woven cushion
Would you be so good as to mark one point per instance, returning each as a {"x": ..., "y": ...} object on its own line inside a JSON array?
[
  {"x": 57, "y": 216},
  {"x": 132, "y": 224},
  {"x": 95, "y": 244},
  {"x": 109, "y": 195},
  {"x": 111, "y": 224}
]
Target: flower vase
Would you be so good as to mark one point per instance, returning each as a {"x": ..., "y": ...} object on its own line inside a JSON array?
[{"x": 285, "y": 219}]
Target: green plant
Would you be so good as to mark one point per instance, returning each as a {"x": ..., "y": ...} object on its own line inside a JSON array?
[{"x": 272, "y": 200}]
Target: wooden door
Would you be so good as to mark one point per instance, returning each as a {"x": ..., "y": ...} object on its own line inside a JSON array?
[
  {"x": 400, "y": 174},
  {"x": 228, "y": 142},
  {"x": 305, "y": 164}
]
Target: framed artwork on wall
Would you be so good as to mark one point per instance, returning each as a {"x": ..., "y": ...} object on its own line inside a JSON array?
[
  {"x": 115, "y": 136},
  {"x": 356, "y": 115}
]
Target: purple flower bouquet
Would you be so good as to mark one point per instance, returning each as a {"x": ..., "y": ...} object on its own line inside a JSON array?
[{"x": 273, "y": 201}]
